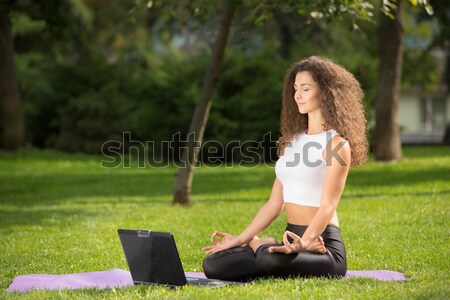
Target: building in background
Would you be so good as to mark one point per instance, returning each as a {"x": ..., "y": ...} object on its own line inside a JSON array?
[{"x": 423, "y": 118}]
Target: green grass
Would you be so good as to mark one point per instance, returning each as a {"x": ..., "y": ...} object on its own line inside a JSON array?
[{"x": 59, "y": 214}]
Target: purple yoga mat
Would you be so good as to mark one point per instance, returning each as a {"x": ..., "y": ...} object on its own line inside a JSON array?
[
  {"x": 121, "y": 278},
  {"x": 102, "y": 280}
]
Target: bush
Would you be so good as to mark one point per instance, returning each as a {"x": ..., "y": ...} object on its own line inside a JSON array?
[
  {"x": 86, "y": 105},
  {"x": 82, "y": 106}
]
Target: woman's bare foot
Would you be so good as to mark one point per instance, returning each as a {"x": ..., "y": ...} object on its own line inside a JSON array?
[{"x": 256, "y": 242}]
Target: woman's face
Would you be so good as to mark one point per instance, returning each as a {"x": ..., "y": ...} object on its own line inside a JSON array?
[{"x": 306, "y": 93}]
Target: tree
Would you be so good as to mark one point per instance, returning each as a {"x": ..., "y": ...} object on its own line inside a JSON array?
[
  {"x": 390, "y": 36},
  {"x": 262, "y": 10},
  {"x": 183, "y": 182},
  {"x": 387, "y": 132},
  {"x": 59, "y": 18},
  {"x": 13, "y": 120}
]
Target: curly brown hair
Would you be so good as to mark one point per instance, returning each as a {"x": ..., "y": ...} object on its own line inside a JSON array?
[{"x": 342, "y": 108}]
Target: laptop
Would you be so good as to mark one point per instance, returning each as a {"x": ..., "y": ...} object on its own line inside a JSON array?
[{"x": 153, "y": 258}]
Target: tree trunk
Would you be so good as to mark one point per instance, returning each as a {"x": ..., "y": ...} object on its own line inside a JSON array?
[
  {"x": 387, "y": 131},
  {"x": 13, "y": 122},
  {"x": 285, "y": 32},
  {"x": 183, "y": 181}
]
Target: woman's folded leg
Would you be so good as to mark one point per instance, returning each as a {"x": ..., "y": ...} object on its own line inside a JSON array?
[
  {"x": 303, "y": 264},
  {"x": 236, "y": 264}
]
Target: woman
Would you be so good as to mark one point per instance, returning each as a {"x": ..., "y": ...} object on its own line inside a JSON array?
[{"x": 322, "y": 134}]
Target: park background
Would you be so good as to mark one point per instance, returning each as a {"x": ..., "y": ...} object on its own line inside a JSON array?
[{"x": 86, "y": 73}]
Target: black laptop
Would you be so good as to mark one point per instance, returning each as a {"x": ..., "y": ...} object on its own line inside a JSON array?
[{"x": 153, "y": 258}]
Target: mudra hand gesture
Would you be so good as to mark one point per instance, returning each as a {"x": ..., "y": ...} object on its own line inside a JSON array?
[
  {"x": 221, "y": 241},
  {"x": 298, "y": 245}
]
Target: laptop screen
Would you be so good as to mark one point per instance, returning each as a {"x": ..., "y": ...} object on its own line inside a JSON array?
[{"x": 152, "y": 257}]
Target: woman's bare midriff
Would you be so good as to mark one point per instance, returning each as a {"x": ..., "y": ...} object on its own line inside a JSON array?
[{"x": 303, "y": 215}]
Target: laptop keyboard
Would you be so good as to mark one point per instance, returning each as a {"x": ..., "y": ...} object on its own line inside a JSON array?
[{"x": 205, "y": 281}]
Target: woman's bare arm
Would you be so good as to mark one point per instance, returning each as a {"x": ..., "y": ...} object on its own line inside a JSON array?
[{"x": 338, "y": 166}]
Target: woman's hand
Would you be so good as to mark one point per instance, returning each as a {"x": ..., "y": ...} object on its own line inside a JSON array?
[
  {"x": 298, "y": 245},
  {"x": 221, "y": 241}
]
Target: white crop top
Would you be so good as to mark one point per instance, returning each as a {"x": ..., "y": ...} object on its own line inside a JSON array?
[{"x": 301, "y": 168}]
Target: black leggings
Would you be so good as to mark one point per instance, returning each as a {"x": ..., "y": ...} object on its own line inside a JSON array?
[{"x": 242, "y": 264}]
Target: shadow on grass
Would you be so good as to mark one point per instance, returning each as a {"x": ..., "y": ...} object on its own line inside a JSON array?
[
  {"x": 392, "y": 177},
  {"x": 153, "y": 186},
  {"x": 38, "y": 217},
  {"x": 52, "y": 189},
  {"x": 379, "y": 195},
  {"x": 419, "y": 151}
]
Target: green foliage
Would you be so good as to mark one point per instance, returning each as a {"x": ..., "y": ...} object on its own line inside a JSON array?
[
  {"x": 92, "y": 118},
  {"x": 387, "y": 6},
  {"x": 330, "y": 10},
  {"x": 110, "y": 67},
  {"x": 79, "y": 107},
  {"x": 427, "y": 79},
  {"x": 55, "y": 20},
  {"x": 23, "y": 24},
  {"x": 83, "y": 107},
  {"x": 247, "y": 104},
  {"x": 168, "y": 98},
  {"x": 59, "y": 214},
  {"x": 420, "y": 70}
]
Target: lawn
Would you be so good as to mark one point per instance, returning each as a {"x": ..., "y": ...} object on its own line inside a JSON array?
[{"x": 59, "y": 214}]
